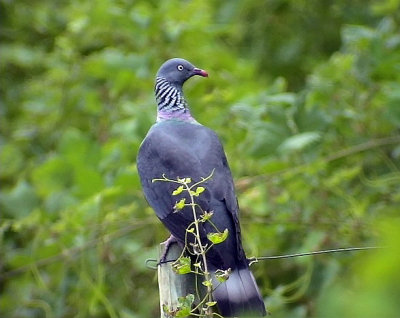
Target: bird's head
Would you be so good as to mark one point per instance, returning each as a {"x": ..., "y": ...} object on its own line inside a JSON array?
[{"x": 177, "y": 71}]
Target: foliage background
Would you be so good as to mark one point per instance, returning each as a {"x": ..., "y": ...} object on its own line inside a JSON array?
[{"x": 305, "y": 96}]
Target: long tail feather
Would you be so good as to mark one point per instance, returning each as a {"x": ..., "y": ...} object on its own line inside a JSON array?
[{"x": 239, "y": 295}]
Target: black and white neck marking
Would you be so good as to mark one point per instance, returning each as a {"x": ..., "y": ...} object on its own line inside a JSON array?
[{"x": 170, "y": 100}]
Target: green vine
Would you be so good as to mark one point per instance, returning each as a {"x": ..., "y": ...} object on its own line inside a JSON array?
[{"x": 196, "y": 250}]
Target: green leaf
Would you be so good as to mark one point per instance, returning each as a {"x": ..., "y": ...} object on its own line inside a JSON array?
[
  {"x": 206, "y": 216},
  {"x": 184, "y": 306},
  {"x": 11, "y": 160},
  {"x": 218, "y": 237},
  {"x": 183, "y": 309},
  {"x": 19, "y": 201},
  {"x": 185, "y": 180},
  {"x": 183, "y": 312},
  {"x": 180, "y": 205},
  {"x": 198, "y": 191},
  {"x": 55, "y": 174},
  {"x": 182, "y": 265},
  {"x": 88, "y": 181},
  {"x": 211, "y": 303},
  {"x": 190, "y": 230},
  {"x": 222, "y": 275},
  {"x": 188, "y": 300},
  {"x": 299, "y": 141},
  {"x": 178, "y": 190},
  {"x": 207, "y": 283}
]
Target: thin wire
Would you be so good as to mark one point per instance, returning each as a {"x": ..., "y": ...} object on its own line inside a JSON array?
[
  {"x": 156, "y": 262},
  {"x": 337, "y": 250},
  {"x": 265, "y": 258}
]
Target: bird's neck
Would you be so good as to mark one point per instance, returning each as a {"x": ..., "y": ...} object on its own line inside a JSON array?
[{"x": 171, "y": 102}]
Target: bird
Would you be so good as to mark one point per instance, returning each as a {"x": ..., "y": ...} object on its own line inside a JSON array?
[{"x": 177, "y": 146}]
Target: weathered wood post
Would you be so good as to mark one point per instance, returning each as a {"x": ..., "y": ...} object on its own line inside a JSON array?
[{"x": 172, "y": 285}]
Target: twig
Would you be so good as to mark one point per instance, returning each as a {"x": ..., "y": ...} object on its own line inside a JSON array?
[
  {"x": 374, "y": 143},
  {"x": 244, "y": 182}
]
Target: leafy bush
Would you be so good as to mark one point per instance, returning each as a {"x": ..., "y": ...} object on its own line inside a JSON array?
[{"x": 304, "y": 95}]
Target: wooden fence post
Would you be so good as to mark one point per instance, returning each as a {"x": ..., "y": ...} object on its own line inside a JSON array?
[{"x": 172, "y": 285}]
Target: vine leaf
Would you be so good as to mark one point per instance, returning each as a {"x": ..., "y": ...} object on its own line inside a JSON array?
[
  {"x": 182, "y": 265},
  {"x": 178, "y": 190},
  {"x": 207, "y": 283},
  {"x": 222, "y": 275},
  {"x": 184, "y": 305},
  {"x": 185, "y": 180},
  {"x": 190, "y": 230},
  {"x": 180, "y": 205},
  {"x": 206, "y": 216},
  {"x": 218, "y": 237},
  {"x": 183, "y": 309},
  {"x": 199, "y": 190}
]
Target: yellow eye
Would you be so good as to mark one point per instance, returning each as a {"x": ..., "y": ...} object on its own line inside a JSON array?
[{"x": 180, "y": 67}]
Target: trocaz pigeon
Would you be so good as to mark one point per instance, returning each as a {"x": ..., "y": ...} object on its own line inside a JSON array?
[{"x": 177, "y": 146}]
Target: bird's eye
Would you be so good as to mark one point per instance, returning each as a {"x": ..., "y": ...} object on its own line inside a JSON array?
[{"x": 180, "y": 67}]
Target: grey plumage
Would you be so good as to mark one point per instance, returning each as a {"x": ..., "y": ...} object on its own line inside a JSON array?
[{"x": 178, "y": 146}]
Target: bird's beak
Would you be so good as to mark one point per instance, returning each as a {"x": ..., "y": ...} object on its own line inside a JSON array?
[{"x": 197, "y": 71}]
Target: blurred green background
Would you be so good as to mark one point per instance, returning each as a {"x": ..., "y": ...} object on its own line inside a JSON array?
[{"x": 305, "y": 95}]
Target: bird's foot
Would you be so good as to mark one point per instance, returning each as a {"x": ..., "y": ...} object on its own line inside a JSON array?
[{"x": 167, "y": 244}]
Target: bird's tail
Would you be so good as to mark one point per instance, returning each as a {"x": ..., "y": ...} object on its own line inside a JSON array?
[{"x": 239, "y": 295}]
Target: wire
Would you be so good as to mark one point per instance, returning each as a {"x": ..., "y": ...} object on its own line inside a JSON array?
[
  {"x": 337, "y": 250},
  {"x": 265, "y": 258}
]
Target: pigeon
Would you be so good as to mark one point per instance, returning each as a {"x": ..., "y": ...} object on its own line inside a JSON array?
[{"x": 177, "y": 146}]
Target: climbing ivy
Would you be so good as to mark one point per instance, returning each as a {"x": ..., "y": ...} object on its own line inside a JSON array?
[{"x": 197, "y": 249}]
